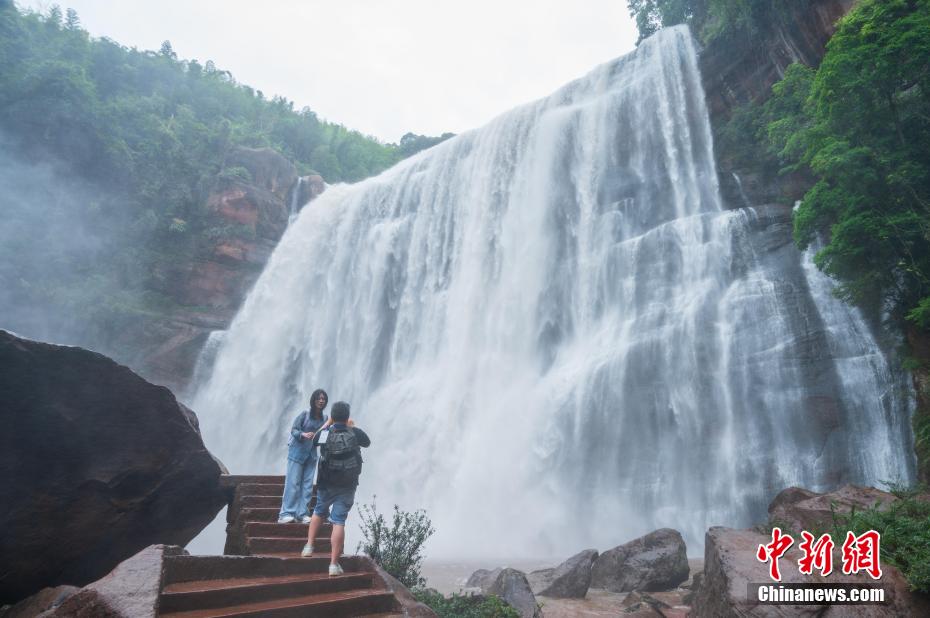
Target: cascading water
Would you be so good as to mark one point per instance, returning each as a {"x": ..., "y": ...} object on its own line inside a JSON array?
[
  {"x": 555, "y": 334},
  {"x": 295, "y": 200}
]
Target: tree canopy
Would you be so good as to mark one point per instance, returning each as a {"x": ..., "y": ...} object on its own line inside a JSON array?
[{"x": 861, "y": 124}]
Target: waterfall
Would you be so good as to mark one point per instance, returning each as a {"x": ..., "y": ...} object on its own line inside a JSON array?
[
  {"x": 555, "y": 334},
  {"x": 295, "y": 200}
]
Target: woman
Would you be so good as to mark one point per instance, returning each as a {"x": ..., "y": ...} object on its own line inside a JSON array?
[{"x": 301, "y": 460}]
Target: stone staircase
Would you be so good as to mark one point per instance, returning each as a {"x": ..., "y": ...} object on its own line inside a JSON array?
[{"x": 262, "y": 573}]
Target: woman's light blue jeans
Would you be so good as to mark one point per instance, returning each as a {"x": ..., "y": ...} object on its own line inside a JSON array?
[{"x": 298, "y": 485}]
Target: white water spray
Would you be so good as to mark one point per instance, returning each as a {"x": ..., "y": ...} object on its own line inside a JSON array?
[{"x": 555, "y": 335}]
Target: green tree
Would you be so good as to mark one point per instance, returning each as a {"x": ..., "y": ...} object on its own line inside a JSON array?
[{"x": 861, "y": 123}]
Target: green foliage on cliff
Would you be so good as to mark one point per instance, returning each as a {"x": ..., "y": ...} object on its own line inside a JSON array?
[
  {"x": 861, "y": 124},
  {"x": 115, "y": 151},
  {"x": 711, "y": 19},
  {"x": 905, "y": 530}
]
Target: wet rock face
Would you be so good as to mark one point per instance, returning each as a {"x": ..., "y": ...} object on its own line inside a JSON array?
[
  {"x": 656, "y": 561},
  {"x": 246, "y": 218},
  {"x": 730, "y": 565},
  {"x": 97, "y": 464},
  {"x": 740, "y": 71},
  {"x": 737, "y": 73},
  {"x": 799, "y": 509}
]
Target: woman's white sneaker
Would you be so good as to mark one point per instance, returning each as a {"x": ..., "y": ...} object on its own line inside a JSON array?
[
  {"x": 335, "y": 569},
  {"x": 308, "y": 549}
]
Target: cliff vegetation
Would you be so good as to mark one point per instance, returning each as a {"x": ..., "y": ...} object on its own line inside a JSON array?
[{"x": 108, "y": 156}]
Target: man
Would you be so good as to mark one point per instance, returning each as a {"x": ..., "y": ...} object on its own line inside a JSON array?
[{"x": 340, "y": 466}]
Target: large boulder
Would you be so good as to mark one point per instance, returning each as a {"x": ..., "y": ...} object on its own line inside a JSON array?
[
  {"x": 799, "y": 509},
  {"x": 129, "y": 591},
  {"x": 569, "y": 580},
  {"x": 268, "y": 168},
  {"x": 96, "y": 464},
  {"x": 657, "y": 561},
  {"x": 510, "y": 585},
  {"x": 730, "y": 565},
  {"x": 482, "y": 578}
]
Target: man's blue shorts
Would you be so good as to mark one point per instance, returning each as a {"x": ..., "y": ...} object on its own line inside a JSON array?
[{"x": 335, "y": 501}]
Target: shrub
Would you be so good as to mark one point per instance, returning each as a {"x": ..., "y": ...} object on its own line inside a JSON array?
[
  {"x": 397, "y": 548},
  {"x": 905, "y": 530},
  {"x": 458, "y": 606}
]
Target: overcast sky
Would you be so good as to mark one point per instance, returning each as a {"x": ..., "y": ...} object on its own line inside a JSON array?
[{"x": 383, "y": 67}]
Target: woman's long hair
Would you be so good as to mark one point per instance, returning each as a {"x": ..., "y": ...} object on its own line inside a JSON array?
[{"x": 314, "y": 413}]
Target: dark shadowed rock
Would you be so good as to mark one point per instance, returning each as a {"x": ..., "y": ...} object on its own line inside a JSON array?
[
  {"x": 657, "y": 561},
  {"x": 730, "y": 564},
  {"x": 45, "y": 600},
  {"x": 570, "y": 579},
  {"x": 97, "y": 464},
  {"x": 511, "y": 586},
  {"x": 482, "y": 578},
  {"x": 799, "y": 509}
]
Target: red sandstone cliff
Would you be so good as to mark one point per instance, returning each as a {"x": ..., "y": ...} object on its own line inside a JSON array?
[{"x": 247, "y": 216}]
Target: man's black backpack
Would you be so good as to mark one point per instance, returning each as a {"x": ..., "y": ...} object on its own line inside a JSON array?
[{"x": 340, "y": 458}]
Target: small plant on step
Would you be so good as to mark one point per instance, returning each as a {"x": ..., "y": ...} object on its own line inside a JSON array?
[{"x": 398, "y": 547}]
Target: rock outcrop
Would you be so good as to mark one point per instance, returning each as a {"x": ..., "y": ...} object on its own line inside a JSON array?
[
  {"x": 656, "y": 561},
  {"x": 571, "y": 579},
  {"x": 247, "y": 215},
  {"x": 736, "y": 71},
  {"x": 511, "y": 586},
  {"x": 131, "y": 590},
  {"x": 730, "y": 565},
  {"x": 482, "y": 578},
  {"x": 97, "y": 464},
  {"x": 799, "y": 509}
]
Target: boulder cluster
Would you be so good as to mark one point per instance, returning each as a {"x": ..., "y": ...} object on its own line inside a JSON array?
[
  {"x": 651, "y": 576},
  {"x": 657, "y": 561}
]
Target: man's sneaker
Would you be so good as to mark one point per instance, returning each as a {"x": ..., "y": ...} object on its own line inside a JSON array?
[
  {"x": 287, "y": 519},
  {"x": 335, "y": 569},
  {"x": 305, "y": 519},
  {"x": 308, "y": 549}
]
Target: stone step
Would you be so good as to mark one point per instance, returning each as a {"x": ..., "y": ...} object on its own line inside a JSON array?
[
  {"x": 202, "y": 568},
  {"x": 263, "y": 502},
  {"x": 219, "y": 593},
  {"x": 231, "y": 480},
  {"x": 330, "y": 605},
  {"x": 293, "y": 530},
  {"x": 261, "y": 489},
  {"x": 282, "y": 545},
  {"x": 268, "y": 514}
]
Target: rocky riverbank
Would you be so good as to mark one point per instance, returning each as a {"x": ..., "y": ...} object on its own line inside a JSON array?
[{"x": 651, "y": 575}]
